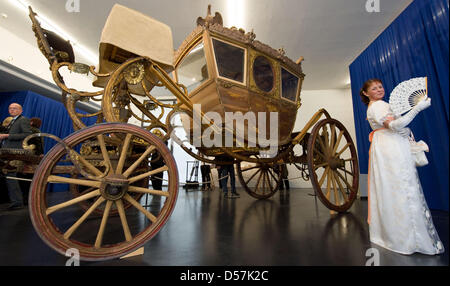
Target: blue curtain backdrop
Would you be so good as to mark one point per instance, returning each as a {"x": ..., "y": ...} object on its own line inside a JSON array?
[
  {"x": 414, "y": 45},
  {"x": 54, "y": 116}
]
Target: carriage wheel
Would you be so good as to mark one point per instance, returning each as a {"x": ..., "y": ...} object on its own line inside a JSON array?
[
  {"x": 260, "y": 180},
  {"x": 62, "y": 225},
  {"x": 332, "y": 158}
]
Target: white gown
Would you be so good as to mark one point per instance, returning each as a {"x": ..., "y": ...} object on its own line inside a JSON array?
[{"x": 399, "y": 218}]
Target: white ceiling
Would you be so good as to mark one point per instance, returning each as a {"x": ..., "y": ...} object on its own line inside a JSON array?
[{"x": 329, "y": 34}]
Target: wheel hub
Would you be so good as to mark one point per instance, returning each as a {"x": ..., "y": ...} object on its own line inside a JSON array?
[
  {"x": 335, "y": 163},
  {"x": 114, "y": 187}
]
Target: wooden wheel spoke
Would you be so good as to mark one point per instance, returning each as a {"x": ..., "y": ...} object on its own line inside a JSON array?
[
  {"x": 338, "y": 141},
  {"x": 123, "y": 153},
  {"x": 273, "y": 176},
  {"x": 123, "y": 220},
  {"x": 75, "y": 226},
  {"x": 259, "y": 180},
  {"x": 320, "y": 165},
  {"x": 336, "y": 195},
  {"x": 320, "y": 154},
  {"x": 84, "y": 197},
  {"x": 327, "y": 142},
  {"x": 349, "y": 159},
  {"x": 325, "y": 173},
  {"x": 345, "y": 181},
  {"x": 101, "y": 142},
  {"x": 138, "y": 161},
  {"x": 101, "y": 231},
  {"x": 327, "y": 195},
  {"x": 346, "y": 171},
  {"x": 249, "y": 168},
  {"x": 147, "y": 191},
  {"x": 81, "y": 182},
  {"x": 341, "y": 188},
  {"x": 149, "y": 173},
  {"x": 84, "y": 162},
  {"x": 343, "y": 149},
  {"x": 322, "y": 144},
  {"x": 333, "y": 134},
  {"x": 137, "y": 205},
  {"x": 254, "y": 174}
]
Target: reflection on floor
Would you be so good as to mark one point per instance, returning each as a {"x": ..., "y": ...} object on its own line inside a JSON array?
[{"x": 291, "y": 228}]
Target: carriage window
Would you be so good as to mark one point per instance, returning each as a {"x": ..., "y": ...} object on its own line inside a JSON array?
[
  {"x": 192, "y": 71},
  {"x": 263, "y": 74},
  {"x": 289, "y": 83},
  {"x": 230, "y": 60}
]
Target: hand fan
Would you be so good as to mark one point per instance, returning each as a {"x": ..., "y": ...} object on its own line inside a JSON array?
[{"x": 407, "y": 94}]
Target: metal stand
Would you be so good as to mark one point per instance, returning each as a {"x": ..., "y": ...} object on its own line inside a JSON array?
[{"x": 192, "y": 182}]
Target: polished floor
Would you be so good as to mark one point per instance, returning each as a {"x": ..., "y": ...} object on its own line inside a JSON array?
[{"x": 290, "y": 229}]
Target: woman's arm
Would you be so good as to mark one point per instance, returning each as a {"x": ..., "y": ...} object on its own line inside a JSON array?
[
  {"x": 388, "y": 120},
  {"x": 404, "y": 120}
]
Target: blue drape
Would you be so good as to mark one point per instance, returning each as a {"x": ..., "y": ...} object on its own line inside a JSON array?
[
  {"x": 54, "y": 116},
  {"x": 414, "y": 45}
]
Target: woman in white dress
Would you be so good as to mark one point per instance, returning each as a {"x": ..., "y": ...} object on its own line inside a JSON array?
[{"x": 398, "y": 216}]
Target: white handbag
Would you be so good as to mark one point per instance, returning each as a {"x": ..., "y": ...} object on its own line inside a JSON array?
[{"x": 418, "y": 150}]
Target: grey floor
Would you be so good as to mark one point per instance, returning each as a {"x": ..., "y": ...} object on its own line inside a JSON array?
[{"x": 290, "y": 229}]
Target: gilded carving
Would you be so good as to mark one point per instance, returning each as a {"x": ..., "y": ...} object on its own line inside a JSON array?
[{"x": 134, "y": 73}]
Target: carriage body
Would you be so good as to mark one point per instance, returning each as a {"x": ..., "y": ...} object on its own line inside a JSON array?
[{"x": 227, "y": 71}]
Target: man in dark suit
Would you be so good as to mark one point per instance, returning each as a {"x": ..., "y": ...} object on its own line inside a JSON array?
[{"x": 18, "y": 129}]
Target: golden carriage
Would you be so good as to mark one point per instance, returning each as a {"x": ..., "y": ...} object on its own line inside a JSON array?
[{"x": 216, "y": 71}]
